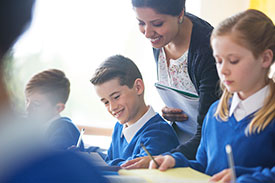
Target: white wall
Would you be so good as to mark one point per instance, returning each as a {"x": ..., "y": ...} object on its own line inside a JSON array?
[{"x": 214, "y": 11}]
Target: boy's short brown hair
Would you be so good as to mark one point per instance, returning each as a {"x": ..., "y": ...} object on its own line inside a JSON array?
[
  {"x": 117, "y": 66},
  {"x": 52, "y": 82}
]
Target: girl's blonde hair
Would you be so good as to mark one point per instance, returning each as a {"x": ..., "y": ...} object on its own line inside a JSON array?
[{"x": 255, "y": 31}]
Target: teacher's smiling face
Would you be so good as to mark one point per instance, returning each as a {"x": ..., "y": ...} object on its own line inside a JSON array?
[{"x": 160, "y": 29}]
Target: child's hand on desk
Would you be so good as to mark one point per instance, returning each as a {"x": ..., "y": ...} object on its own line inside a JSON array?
[
  {"x": 141, "y": 162},
  {"x": 223, "y": 176},
  {"x": 165, "y": 162},
  {"x": 173, "y": 114}
]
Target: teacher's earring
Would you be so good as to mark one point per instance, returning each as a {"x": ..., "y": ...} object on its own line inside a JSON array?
[{"x": 180, "y": 20}]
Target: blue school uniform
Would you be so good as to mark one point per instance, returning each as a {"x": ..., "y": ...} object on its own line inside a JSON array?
[
  {"x": 62, "y": 133},
  {"x": 151, "y": 130},
  {"x": 263, "y": 176},
  {"x": 251, "y": 152}
]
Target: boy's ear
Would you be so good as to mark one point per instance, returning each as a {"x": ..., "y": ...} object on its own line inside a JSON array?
[
  {"x": 267, "y": 58},
  {"x": 139, "y": 86},
  {"x": 60, "y": 107}
]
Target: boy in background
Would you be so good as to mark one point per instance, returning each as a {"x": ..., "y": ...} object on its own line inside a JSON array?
[
  {"x": 46, "y": 95},
  {"x": 32, "y": 163},
  {"x": 119, "y": 85}
]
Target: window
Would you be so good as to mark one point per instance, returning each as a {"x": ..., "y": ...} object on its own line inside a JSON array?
[{"x": 76, "y": 36}]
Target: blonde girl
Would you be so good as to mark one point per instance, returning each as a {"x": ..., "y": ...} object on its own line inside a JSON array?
[{"x": 243, "y": 47}]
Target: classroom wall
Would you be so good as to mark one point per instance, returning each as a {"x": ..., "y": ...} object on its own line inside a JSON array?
[
  {"x": 214, "y": 11},
  {"x": 266, "y": 6}
]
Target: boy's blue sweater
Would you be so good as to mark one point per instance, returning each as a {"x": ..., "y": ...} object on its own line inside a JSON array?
[
  {"x": 62, "y": 133},
  {"x": 156, "y": 135},
  {"x": 251, "y": 152}
]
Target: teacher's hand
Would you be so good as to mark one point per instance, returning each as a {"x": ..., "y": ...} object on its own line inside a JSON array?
[{"x": 173, "y": 114}]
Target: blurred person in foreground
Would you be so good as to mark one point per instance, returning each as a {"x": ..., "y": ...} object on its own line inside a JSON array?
[{"x": 23, "y": 157}]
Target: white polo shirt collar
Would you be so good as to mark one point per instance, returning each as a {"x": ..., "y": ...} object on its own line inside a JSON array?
[
  {"x": 130, "y": 131},
  {"x": 242, "y": 108}
]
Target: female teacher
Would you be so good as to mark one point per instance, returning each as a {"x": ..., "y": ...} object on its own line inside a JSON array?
[{"x": 181, "y": 47}]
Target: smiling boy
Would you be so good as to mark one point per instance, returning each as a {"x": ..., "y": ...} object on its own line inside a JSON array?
[{"x": 119, "y": 85}]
